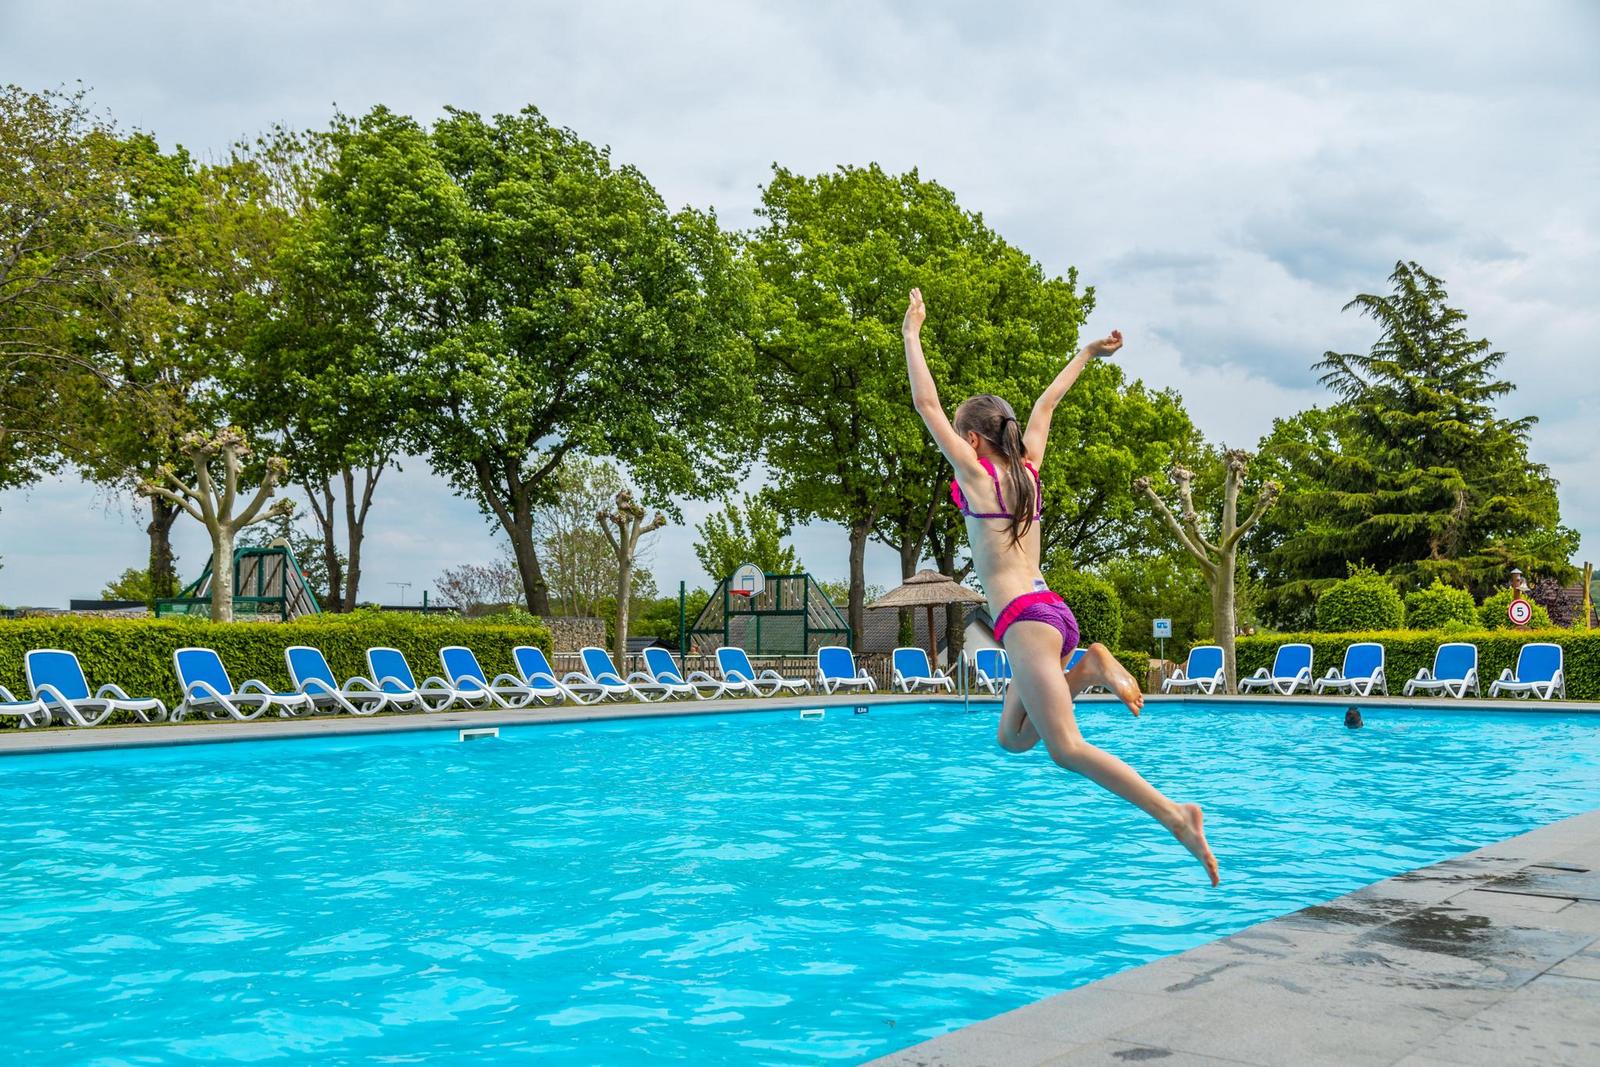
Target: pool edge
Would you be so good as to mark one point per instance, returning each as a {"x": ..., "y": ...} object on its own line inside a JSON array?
[{"x": 1493, "y": 953}]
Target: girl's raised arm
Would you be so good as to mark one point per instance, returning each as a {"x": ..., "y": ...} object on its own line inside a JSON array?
[
  {"x": 925, "y": 395},
  {"x": 1037, "y": 434}
]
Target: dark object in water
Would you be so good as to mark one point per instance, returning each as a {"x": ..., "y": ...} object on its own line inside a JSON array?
[{"x": 1352, "y": 718}]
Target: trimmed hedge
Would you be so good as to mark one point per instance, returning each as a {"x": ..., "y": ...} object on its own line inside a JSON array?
[
  {"x": 137, "y": 653},
  {"x": 1492, "y": 613},
  {"x": 1439, "y": 606},
  {"x": 1094, "y": 603},
  {"x": 1363, "y": 601},
  {"x": 1410, "y": 650}
]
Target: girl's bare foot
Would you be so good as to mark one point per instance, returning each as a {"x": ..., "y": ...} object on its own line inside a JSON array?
[
  {"x": 1105, "y": 669},
  {"x": 1191, "y": 835}
]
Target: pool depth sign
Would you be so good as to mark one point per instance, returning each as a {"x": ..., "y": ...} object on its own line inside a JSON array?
[{"x": 1519, "y": 611}]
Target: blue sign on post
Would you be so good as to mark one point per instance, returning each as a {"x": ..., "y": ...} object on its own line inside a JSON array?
[{"x": 1160, "y": 627}]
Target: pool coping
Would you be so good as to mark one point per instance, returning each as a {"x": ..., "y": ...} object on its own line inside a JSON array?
[
  {"x": 38, "y": 740},
  {"x": 1491, "y": 957}
]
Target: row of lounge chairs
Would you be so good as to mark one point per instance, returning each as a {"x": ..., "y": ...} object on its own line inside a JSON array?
[
  {"x": 1540, "y": 672},
  {"x": 60, "y": 690}
]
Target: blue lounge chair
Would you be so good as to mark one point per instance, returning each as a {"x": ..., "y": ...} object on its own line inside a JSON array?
[
  {"x": 1362, "y": 673},
  {"x": 461, "y": 670},
  {"x": 28, "y": 712},
  {"x": 207, "y": 689},
  {"x": 1202, "y": 671},
  {"x": 991, "y": 670},
  {"x": 662, "y": 668},
  {"x": 598, "y": 666},
  {"x": 836, "y": 670},
  {"x": 1541, "y": 672},
  {"x": 739, "y": 676},
  {"x": 311, "y": 675},
  {"x": 1291, "y": 670},
  {"x": 57, "y": 680},
  {"x": 913, "y": 672},
  {"x": 1455, "y": 670},
  {"x": 535, "y": 670},
  {"x": 390, "y": 669}
]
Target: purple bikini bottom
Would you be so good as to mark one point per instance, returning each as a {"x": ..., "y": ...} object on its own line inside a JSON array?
[{"x": 1041, "y": 606}]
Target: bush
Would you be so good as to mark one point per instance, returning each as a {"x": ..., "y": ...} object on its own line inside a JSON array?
[
  {"x": 1440, "y": 606},
  {"x": 1095, "y": 604},
  {"x": 1363, "y": 601},
  {"x": 1407, "y": 651},
  {"x": 137, "y": 653},
  {"x": 1492, "y": 613}
]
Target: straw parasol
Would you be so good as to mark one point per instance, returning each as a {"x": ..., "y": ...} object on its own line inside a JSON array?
[{"x": 927, "y": 589}]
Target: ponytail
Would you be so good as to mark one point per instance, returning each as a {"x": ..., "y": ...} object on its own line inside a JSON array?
[{"x": 991, "y": 418}]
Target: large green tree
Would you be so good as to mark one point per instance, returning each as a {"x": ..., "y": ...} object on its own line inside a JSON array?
[
  {"x": 1412, "y": 470},
  {"x": 749, "y": 532},
  {"x": 837, "y": 254},
  {"x": 551, "y": 303}
]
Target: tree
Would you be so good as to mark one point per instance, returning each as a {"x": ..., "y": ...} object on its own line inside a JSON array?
[
  {"x": 836, "y": 255},
  {"x": 551, "y": 304},
  {"x": 215, "y": 458},
  {"x": 623, "y": 525},
  {"x": 749, "y": 533},
  {"x": 579, "y": 565},
  {"x": 133, "y": 584},
  {"x": 470, "y": 586},
  {"x": 62, "y": 229},
  {"x": 1218, "y": 560},
  {"x": 1412, "y": 470}
]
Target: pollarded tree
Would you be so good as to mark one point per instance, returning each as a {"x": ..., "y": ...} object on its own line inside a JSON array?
[
  {"x": 624, "y": 524},
  {"x": 217, "y": 462},
  {"x": 552, "y": 304},
  {"x": 1218, "y": 559}
]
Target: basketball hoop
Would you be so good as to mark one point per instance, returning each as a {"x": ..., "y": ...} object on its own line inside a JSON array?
[{"x": 747, "y": 580}]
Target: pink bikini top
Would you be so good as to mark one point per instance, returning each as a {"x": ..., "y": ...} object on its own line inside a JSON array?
[{"x": 961, "y": 501}]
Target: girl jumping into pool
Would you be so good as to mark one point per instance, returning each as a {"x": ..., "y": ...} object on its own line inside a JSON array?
[{"x": 996, "y": 461}]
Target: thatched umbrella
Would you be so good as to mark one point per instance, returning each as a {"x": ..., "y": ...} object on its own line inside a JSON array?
[{"x": 927, "y": 589}]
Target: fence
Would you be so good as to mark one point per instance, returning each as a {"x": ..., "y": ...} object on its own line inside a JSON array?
[{"x": 796, "y": 666}]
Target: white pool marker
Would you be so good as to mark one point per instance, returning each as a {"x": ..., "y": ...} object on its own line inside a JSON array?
[
  {"x": 812, "y": 713},
  {"x": 479, "y": 733}
]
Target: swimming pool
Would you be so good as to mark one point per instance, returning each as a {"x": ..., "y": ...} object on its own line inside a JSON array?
[{"x": 725, "y": 889}]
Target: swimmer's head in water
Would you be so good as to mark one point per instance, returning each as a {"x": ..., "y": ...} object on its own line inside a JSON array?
[
  {"x": 990, "y": 426},
  {"x": 1352, "y": 718}
]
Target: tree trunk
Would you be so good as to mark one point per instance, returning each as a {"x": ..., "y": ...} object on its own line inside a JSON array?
[
  {"x": 856, "y": 610},
  {"x": 221, "y": 573},
  {"x": 1222, "y": 618},
  {"x": 909, "y": 554},
  {"x": 323, "y": 512},
  {"x": 624, "y": 595},
  {"x": 955, "y": 614},
  {"x": 163, "y": 566},
  {"x": 534, "y": 590},
  {"x": 355, "y": 521}
]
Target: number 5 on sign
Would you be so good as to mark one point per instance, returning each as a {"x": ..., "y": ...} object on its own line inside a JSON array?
[{"x": 1520, "y": 612}]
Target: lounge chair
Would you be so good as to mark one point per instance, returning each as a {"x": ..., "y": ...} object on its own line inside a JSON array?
[
  {"x": 836, "y": 670},
  {"x": 664, "y": 670},
  {"x": 597, "y": 664},
  {"x": 534, "y": 668},
  {"x": 1362, "y": 672},
  {"x": 740, "y": 677},
  {"x": 389, "y": 668},
  {"x": 913, "y": 673},
  {"x": 207, "y": 689},
  {"x": 1202, "y": 671},
  {"x": 991, "y": 670},
  {"x": 461, "y": 670},
  {"x": 1291, "y": 670},
  {"x": 1073, "y": 660},
  {"x": 28, "y": 712},
  {"x": 1540, "y": 672},
  {"x": 57, "y": 680},
  {"x": 1455, "y": 670},
  {"x": 311, "y": 675}
]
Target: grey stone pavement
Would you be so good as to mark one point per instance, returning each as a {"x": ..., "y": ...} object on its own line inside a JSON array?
[{"x": 1489, "y": 958}]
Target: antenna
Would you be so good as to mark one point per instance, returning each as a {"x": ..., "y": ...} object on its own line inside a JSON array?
[{"x": 403, "y": 586}]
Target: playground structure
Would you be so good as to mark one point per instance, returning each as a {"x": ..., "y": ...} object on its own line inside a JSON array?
[
  {"x": 267, "y": 583},
  {"x": 781, "y": 614}
]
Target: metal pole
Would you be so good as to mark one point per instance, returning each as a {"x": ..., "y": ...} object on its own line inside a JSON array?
[{"x": 683, "y": 635}]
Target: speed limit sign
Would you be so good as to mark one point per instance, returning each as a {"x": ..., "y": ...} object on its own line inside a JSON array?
[{"x": 1520, "y": 612}]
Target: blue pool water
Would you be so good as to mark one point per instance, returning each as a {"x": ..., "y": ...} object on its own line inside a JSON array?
[{"x": 731, "y": 889}]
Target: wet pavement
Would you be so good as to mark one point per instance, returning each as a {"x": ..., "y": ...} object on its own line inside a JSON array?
[{"x": 1489, "y": 958}]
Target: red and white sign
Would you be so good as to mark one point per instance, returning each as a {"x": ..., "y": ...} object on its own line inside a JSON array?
[{"x": 1519, "y": 611}]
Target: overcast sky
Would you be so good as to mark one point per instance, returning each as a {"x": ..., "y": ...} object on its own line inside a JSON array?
[{"x": 1226, "y": 177}]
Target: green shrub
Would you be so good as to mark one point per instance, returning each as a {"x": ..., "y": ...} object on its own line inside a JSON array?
[
  {"x": 1492, "y": 613},
  {"x": 1438, "y": 606},
  {"x": 137, "y": 653},
  {"x": 1407, "y": 651},
  {"x": 1094, "y": 603},
  {"x": 1363, "y": 601}
]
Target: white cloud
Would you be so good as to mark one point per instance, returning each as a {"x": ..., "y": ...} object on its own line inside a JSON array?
[{"x": 1227, "y": 176}]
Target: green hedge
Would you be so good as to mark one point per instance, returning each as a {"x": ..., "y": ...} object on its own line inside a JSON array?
[
  {"x": 1439, "y": 606},
  {"x": 1094, "y": 603},
  {"x": 137, "y": 653},
  {"x": 1363, "y": 601},
  {"x": 1410, "y": 650}
]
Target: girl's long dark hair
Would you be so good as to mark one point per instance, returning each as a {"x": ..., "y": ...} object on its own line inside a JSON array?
[{"x": 992, "y": 419}]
